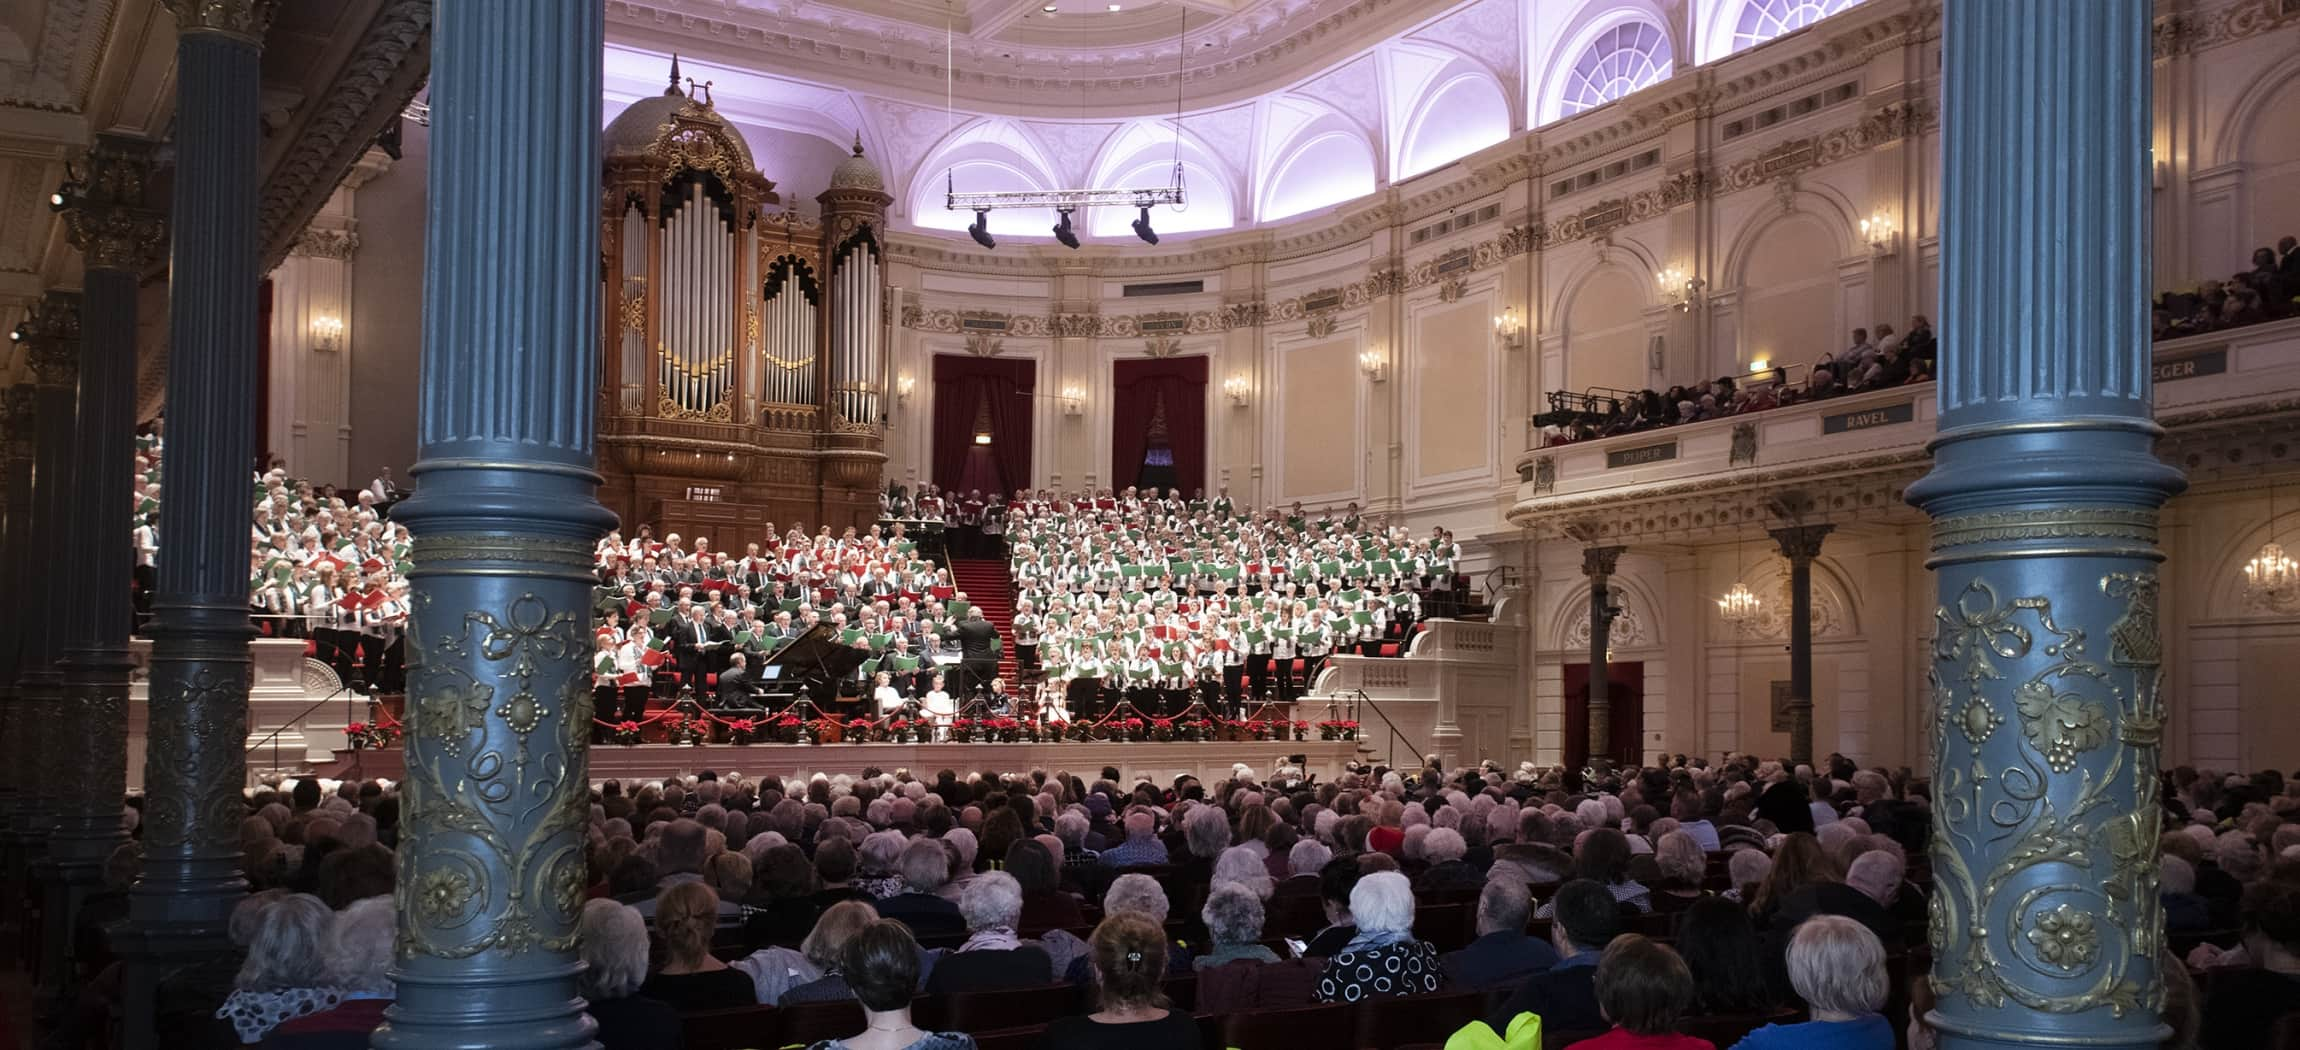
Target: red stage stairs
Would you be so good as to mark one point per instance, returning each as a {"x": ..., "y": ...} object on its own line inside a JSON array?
[{"x": 989, "y": 585}]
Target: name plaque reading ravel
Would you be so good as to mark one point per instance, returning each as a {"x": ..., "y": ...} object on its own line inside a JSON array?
[
  {"x": 1641, "y": 455},
  {"x": 1883, "y": 416},
  {"x": 2173, "y": 367}
]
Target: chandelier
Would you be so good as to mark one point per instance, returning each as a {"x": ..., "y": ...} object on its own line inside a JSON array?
[
  {"x": 2271, "y": 576},
  {"x": 1739, "y": 605}
]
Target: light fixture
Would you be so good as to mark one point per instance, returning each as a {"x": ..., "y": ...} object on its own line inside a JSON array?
[
  {"x": 980, "y": 231},
  {"x": 1063, "y": 231},
  {"x": 1679, "y": 290},
  {"x": 1114, "y": 7},
  {"x": 982, "y": 439},
  {"x": 1142, "y": 227},
  {"x": 1073, "y": 401},
  {"x": 1235, "y": 389},
  {"x": 1739, "y": 605},
  {"x": 326, "y": 332},
  {"x": 2271, "y": 577},
  {"x": 1509, "y": 329},
  {"x": 903, "y": 385},
  {"x": 1049, "y": 9},
  {"x": 1376, "y": 366},
  {"x": 1878, "y": 231},
  {"x": 1760, "y": 364}
]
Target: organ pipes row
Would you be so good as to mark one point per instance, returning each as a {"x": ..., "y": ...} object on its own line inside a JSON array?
[
  {"x": 696, "y": 352},
  {"x": 788, "y": 332},
  {"x": 856, "y": 335}
]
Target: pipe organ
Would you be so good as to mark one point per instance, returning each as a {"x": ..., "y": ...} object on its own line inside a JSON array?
[{"x": 743, "y": 343}]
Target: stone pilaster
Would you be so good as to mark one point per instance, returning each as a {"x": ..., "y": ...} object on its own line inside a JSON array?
[
  {"x": 1598, "y": 563},
  {"x": 491, "y": 868},
  {"x": 107, "y": 218},
  {"x": 2045, "y": 707},
  {"x": 194, "y": 767},
  {"x": 1800, "y": 544}
]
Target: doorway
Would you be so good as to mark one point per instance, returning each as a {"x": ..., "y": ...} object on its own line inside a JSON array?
[{"x": 1625, "y": 696}]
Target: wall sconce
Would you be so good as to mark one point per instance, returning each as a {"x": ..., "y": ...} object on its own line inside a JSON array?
[
  {"x": 1678, "y": 290},
  {"x": 1073, "y": 401},
  {"x": 326, "y": 332},
  {"x": 1510, "y": 329},
  {"x": 1235, "y": 389},
  {"x": 1878, "y": 231},
  {"x": 1376, "y": 366},
  {"x": 903, "y": 385}
]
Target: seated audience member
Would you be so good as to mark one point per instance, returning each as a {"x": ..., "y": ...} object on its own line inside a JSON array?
[
  {"x": 1127, "y": 957},
  {"x": 1383, "y": 960},
  {"x": 993, "y": 957},
  {"x": 1682, "y": 865},
  {"x": 690, "y": 978},
  {"x": 1643, "y": 989},
  {"x": 1141, "y": 847},
  {"x": 1444, "y": 850},
  {"x": 824, "y": 948},
  {"x": 1137, "y": 894},
  {"x": 1722, "y": 952},
  {"x": 877, "y": 878},
  {"x": 1503, "y": 953},
  {"x": 613, "y": 941},
  {"x": 1304, "y": 862},
  {"x": 834, "y": 873},
  {"x": 881, "y": 963},
  {"x": 2241, "y": 1005},
  {"x": 1838, "y": 967},
  {"x": 1601, "y": 855},
  {"x": 1335, "y": 881},
  {"x": 925, "y": 866},
  {"x": 1233, "y": 916},
  {"x": 2184, "y": 911},
  {"x": 275, "y": 983},
  {"x": 784, "y": 901},
  {"x": 1747, "y": 870},
  {"x": 1045, "y": 904},
  {"x": 1565, "y": 995},
  {"x": 1243, "y": 866},
  {"x": 356, "y": 960}
]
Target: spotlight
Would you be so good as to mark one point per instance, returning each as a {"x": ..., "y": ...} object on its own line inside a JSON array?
[
  {"x": 1142, "y": 227},
  {"x": 1064, "y": 233},
  {"x": 980, "y": 231}
]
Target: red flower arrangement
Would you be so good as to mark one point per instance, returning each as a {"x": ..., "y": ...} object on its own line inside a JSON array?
[
  {"x": 1337, "y": 730},
  {"x": 627, "y": 732}
]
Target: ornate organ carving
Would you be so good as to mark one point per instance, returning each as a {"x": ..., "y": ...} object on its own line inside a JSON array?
[{"x": 743, "y": 344}]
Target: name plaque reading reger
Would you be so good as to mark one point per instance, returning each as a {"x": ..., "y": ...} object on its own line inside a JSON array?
[
  {"x": 2174, "y": 367},
  {"x": 1641, "y": 455},
  {"x": 1883, "y": 416}
]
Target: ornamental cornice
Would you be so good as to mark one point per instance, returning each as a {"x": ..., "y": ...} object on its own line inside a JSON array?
[
  {"x": 108, "y": 214},
  {"x": 385, "y": 69},
  {"x": 245, "y": 19},
  {"x": 326, "y": 244},
  {"x": 51, "y": 331},
  {"x": 2183, "y": 33}
]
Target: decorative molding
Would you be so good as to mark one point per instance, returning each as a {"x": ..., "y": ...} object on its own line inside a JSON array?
[
  {"x": 326, "y": 244},
  {"x": 384, "y": 70},
  {"x": 2184, "y": 33}
]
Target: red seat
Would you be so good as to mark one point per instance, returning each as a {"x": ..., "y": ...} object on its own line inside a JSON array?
[{"x": 1389, "y": 649}]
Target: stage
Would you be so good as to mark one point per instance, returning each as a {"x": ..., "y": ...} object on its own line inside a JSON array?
[{"x": 1161, "y": 762}]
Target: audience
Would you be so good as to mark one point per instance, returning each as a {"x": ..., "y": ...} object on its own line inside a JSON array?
[
  {"x": 2244, "y": 1002},
  {"x": 355, "y": 961},
  {"x": 1719, "y": 946},
  {"x": 1503, "y": 953},
  {"x": 825, "y": 948},
  {"x": 1643, "y": 990},
  {"x": 1565, "y": 995},
  {"x": 1128, "y": 960},
  {"x": 613, "y": 940},
  {"x": 1838, "y": 968},
  {"x": 284, "y": 952},
  {"x": 993, "y": 957},
  {"x": 1383, "y": 960},
  {"x": 880, "y": 962},
  {"x": 690, "y": 977}
]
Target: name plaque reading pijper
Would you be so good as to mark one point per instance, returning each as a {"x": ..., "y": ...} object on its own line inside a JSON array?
[{"x": 1641, "y": 455}]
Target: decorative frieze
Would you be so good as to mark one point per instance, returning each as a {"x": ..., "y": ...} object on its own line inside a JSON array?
[{"x": 320, "y": 243}]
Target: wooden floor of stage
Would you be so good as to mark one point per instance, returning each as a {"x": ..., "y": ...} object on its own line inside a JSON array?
[{"x": 1161, "y": 762}]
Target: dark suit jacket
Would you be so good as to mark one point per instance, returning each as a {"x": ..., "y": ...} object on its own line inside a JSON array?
[
  {"x": 977, "y": 641},
  {"x": 735, "y": 687},
  {"x": 1565, "y": 996},
  {"x": 1498, "y": 959},
  {"x": 926, "y": 914},
  {"x": 989, "y": 970}
]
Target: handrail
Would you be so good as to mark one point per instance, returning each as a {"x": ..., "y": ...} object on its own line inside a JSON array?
[
  {"x": 299, "y": 717},
  {"x": 1397, "y": 736}
]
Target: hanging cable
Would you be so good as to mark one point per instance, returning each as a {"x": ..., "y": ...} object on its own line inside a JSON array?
[{"x": 1181, "y": 55}]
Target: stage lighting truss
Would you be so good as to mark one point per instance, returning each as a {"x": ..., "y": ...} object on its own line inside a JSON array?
[{"x": 1063, "y": 200}]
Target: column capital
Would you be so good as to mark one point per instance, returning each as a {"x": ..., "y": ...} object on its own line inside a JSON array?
[
  {"x": 51, "y": 337},
  {"x": 1600, "y": 561},
  {"x": 1801, "y": 543},
  {"x": 107, "y": 205},
  {"x": 244, "y": 19}
]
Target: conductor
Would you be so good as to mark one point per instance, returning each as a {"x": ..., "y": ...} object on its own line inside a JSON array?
[{"x": 977, "y": 653}]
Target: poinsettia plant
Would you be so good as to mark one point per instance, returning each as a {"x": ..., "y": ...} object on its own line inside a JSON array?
[
  {"x": 627, "y": 732},
  {"x": 1337, "y": 730},
  {"x": 364, "y": 735},
  {"x": 742, "y": 731}
]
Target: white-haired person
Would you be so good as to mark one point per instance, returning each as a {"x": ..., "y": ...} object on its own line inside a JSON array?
[
  {"x": 1503, "y": 953},
  {"x": 275, "y": 982},
  {"x": 612, "y": 939},
  {"x": 876, "y": 876},
  {"x": 1683, "y": 866},
  {"x": 355, "y": 959},
  {"x": 1383, "y": 960},
  {"x": 1233, "y": 916},
  {"x": 1305, "y": 860},
  {"x": 993, "y": 957},
  {"x": 1838, "y": 967},
  {"x": 1444, "y": 850},
  {"x": 1137, "y": 894},
  {"x": 924, "y": 866},
  {"x": 1242, "y": 866}
]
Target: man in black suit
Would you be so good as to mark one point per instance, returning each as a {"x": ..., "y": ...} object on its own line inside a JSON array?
[
  {"x": 735, "y": 687},
  {"x": 977, "y": 653},
  {"x": 688, "y": 635},
  {"x": 1565, "y": 995}
]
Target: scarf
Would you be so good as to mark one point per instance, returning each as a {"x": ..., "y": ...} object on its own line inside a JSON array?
[
  {"x": 1368, "y": 940},
  {"x": 253, "y": 1014},
  {"x": 993, "y": 939}
]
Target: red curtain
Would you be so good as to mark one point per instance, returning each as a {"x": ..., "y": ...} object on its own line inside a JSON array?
[
  {"x": 962, "y": 385},
  {"x": 1137, "y": 386}
]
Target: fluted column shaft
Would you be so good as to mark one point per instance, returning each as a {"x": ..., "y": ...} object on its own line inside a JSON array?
[
  {"x": 1800, "y": 544},
  {"x": 491, "y": 867},
  {"x": 195, "y": 764},
  {"x": 2045, "y": 710},
  {"x": 53, "y": 338},
  {"x": 115, "y": 234},
  {"x": 1598, "y": 564},
  {"x": 16, "y": 474}
]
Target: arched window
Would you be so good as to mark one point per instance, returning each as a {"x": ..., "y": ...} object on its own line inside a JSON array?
[
  {"x": 1623, "y": 59},
  {"x": 1762, "y": 20}
]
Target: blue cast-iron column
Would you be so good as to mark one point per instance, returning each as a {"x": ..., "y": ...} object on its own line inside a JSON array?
[
  {"x": 504, "y": 516},
  {"x": 195, "y": 763},
  {"x": 117, "y": 235},
  {"x": 2046, "y": 709},
  {"x": 16, "y": 453}
]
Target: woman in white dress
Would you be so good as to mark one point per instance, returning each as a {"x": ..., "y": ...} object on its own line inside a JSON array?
[
  {"x": 938, "y": 705},
  {"x": 884, "y": 694}
]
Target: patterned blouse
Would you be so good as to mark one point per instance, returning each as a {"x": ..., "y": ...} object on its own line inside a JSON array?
[{"x": 1408, "y": 968}]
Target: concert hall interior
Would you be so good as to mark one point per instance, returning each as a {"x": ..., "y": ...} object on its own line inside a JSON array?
[{"x": 1411, "y": 408}]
